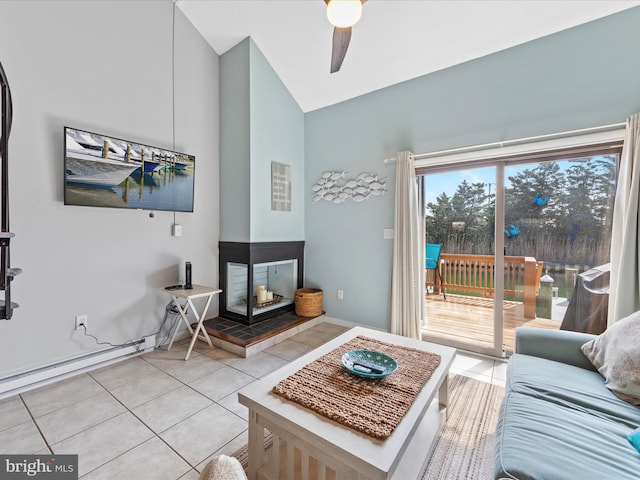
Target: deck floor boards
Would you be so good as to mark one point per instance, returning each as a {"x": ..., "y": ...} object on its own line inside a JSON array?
[{"x": 470, "y": 319}]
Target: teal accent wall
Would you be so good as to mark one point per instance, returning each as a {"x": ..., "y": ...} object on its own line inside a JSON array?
[
  {"x": 277, "y": 135},
  {"x": 260, "y": 123},
  {"x": 235, "y": 151},
  {"x": 582, "y": 77}
]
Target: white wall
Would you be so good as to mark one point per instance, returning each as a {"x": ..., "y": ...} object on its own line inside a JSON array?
[{"x": 103, "y": 66}]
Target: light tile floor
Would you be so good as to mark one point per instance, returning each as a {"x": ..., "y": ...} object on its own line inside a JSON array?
[{"x": 158, "y": 417}]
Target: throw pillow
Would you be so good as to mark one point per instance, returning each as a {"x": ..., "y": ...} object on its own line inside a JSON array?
[
  {"x": 616, "y": 355},
  {"x": 634, "y": 438},
  {"x": 223, "y": 468}
]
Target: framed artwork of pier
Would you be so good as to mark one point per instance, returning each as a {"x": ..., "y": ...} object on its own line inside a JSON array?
[{"x": 105, "y": 171}]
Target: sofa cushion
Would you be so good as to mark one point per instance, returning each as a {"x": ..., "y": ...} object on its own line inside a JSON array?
[
  {"x": 616, "y": 355},
  {"x": 560, "y": 345},
  {"x": 541, "y": 440},
  {"x": 572, "y": 387}
]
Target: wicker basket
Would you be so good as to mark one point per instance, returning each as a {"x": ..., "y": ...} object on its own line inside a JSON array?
[{"x": 308, "y": 302}]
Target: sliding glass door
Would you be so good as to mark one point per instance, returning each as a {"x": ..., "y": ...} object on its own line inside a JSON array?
[
  {"x": 523, "y": 242},
  {"x": 460, "y": 219},
  {"x": 558, "y": 218}
]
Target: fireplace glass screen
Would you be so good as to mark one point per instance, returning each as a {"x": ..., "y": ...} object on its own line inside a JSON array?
[{"x": 279, "y": 281}]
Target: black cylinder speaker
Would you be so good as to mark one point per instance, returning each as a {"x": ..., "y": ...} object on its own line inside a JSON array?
[{"x": 187, "y": 276}]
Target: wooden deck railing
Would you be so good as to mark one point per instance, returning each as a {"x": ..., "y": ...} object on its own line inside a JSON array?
[{"x": 475, "y": 274}]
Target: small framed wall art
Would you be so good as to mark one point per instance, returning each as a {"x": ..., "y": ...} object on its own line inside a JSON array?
[{"x": 280, "y": 187}]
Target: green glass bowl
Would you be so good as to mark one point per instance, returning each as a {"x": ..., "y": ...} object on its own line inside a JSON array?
[{"x": 351, "y": 359}]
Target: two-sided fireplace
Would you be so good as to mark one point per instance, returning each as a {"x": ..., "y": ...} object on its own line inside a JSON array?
[{"x": 246, "y": 267}]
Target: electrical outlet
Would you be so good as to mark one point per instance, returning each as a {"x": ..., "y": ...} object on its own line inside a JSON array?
[
  {"x": 177, "y": 230},
  {"x": 340, "y": 294},
  {"x": 81, "y": 320},
  {"x": 149, "y": 342}
]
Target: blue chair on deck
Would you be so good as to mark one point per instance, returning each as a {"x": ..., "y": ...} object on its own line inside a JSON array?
[{"x": 432, "y": 262}]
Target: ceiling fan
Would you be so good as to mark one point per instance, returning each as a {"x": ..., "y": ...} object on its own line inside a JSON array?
[{"x": 342, "y": 14}]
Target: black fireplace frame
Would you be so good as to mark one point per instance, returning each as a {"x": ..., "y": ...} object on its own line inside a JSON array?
[{"x": 252, "y": 254}]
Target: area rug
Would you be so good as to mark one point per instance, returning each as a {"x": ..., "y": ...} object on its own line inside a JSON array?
[{"x": 464, "y": 449}]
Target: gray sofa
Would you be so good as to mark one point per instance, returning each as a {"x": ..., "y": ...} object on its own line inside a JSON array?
[{"x": 558, "y": 420}]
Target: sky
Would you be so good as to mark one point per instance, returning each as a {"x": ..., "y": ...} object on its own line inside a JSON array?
[{"x": 448, "y": 182}]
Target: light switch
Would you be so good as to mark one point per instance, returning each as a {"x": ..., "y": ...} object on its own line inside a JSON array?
[{"x": 388, "y": 233}]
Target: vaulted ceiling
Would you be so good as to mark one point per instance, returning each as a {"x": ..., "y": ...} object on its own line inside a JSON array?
[{"x": 395, "y": 40}]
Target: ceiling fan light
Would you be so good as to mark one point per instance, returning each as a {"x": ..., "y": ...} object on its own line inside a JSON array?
[{"x": 344, "y": 13}]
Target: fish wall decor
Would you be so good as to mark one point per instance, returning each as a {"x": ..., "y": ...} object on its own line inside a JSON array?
[{"x": 338, "y": 187}]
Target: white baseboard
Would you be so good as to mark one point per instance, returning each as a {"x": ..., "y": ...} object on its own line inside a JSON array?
[
  {"x": 348, "y": 324},
  {"x": 38, "y": 377}
]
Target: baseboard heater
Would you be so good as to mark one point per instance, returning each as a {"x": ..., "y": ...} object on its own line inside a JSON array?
[{"x": 58, "y": 371}]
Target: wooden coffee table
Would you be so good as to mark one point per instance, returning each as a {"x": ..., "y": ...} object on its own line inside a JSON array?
[{"x": 308, "y": 445}]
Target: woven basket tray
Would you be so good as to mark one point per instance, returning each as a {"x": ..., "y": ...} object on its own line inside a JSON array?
[{"x": 309, "y": 302}]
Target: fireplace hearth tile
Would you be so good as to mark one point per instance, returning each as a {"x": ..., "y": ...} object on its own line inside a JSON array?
[{"x": 244, "y": 336}]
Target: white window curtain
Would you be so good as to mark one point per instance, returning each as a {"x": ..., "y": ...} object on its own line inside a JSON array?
[
  {"x": 624, "y": 289},
  {"x": 407, "y": 285}
]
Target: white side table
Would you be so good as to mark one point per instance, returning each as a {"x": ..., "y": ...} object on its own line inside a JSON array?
[{"x": 198, "y": 291}]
